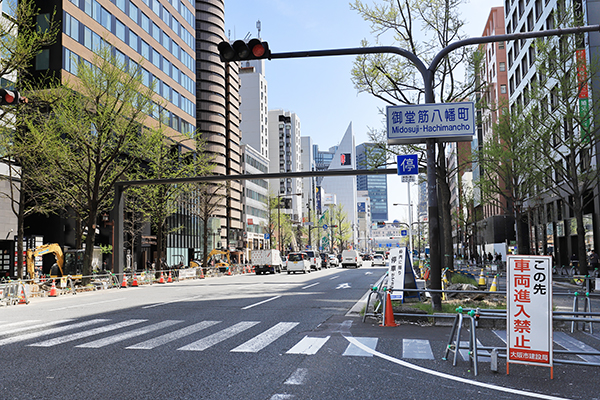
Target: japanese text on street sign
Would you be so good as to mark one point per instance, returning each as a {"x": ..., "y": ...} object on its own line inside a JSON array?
[
  {"x": 408, "y": 164},
  {"x": 529, "y": 310},
  {"x": 444, "y": 121}
]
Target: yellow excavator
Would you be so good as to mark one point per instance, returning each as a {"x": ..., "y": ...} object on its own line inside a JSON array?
[
  {"x": 74, "y": 261},
  {"x": 219, "y": 261}
]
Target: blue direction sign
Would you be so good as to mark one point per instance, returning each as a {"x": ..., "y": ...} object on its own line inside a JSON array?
[
  {"x": 447, "y": 122},
  {"x": 267, "y": 236},
  {"x": 325, "y": 226},
  {"x": 408, "y": 164},
  {"x": 403, "y": 232}
]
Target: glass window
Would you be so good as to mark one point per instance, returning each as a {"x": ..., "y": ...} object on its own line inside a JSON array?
[
  {"x": 166, "y": 91},
  {"x": 87, "y": 7},
  {"x": 72, "y": 27},
  {"x": 156, "y": 32},
  {"x": 121, "y": 4},
  {"x": 175, "y": 25},
  {"x": 166, "y": 41},
  {"x": 175, "y": 49},
  {"x": 120, "y": 57},
  {"x": 42, "y": 60},
  {"x": 156, "y": 58},
  {"x": 120, "y": 30},
  {"x": 166, "y": 16},
  {"x": 145, "y": 77},
  {"x": 166, "y": 67},
  {"x": 145, "y": 50},
  {"x": 87, "y": 38},
  {"x": 106, "y": 19},
  {"x": 133, "y": 12},
  {"x": 156, "y": 6},
  {"x": 175, "y": 74},
  {"x": 175, "y": 100},
  {"x": 133, "y": 41},
  {"x": 145, "y": 23}
]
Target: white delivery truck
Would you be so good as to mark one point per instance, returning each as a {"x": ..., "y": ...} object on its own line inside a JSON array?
[{"x": 266, "y": 261}]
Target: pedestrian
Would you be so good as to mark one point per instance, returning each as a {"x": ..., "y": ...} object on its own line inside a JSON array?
[{"x": 489, "y": 257}]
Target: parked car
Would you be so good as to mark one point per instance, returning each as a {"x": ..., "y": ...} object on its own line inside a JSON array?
[
  {"x": 315, "y": 259},
  {"x": 298, "y": 262},
  {"x": 378, "y": 260},
  {"x": 351, "y": 258},
  {"x": 333, "y": 260},
  {"x": 367, "y": 257},
  {"x": 324, "y": 260}
]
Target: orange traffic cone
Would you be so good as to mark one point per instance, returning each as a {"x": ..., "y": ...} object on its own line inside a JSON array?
[
  {"x": 170, "y": 278},
  {"x": 124, "y": 283},
  {"x": 201, "y": 273},
  {"x": 134, "y": 282},
  {"x": 229, "y": 271},
  {"x": 53, "y": 291},
  {"x": 22, "y": 297},
  {"x": 162, "y": 278},
  {"x": 388, "y": 318}
]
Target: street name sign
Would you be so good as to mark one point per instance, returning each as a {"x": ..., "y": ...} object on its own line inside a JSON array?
[
  {"x": 415, "y": 123},
  {"x": 529, "y": 310}
]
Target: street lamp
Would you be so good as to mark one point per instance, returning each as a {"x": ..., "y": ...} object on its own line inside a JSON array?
[{"x": 279, "y": 217}]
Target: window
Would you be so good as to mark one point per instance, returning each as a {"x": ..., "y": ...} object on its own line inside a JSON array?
[
  {"x": 145, "y": 23},
  {"x": 105, "y": 19},
  {"x": 120, "y": 30},
  {"x": 42, "y": 60},
  {"x": 502, "y": 66},
  {"x": 156, "y": 6},
  {"x": 156, "y": 32},
  {"x": 156, "y": 58},
  {"x": 121, "y": 4},
  {"x": 503, "y": 89},
  {"x": 71, "y": 27},
  {"x": 134, "y": 41},
  {"x": 133, "y": 12},
  {"x": 531, "y": 55},
  {"x": 500, "y": 45},
  {"x": 145, "y": 50}
]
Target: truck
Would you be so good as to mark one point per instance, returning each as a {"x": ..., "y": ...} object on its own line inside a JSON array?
[{"x": 266, "y": 261}]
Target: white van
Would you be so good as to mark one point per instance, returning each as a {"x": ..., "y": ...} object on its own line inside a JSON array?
[
  {"x": 351, "y": 258},
  {"x": 298, "y": 262}
]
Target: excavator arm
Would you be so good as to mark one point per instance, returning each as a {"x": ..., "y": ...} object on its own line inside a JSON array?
[{"x": 40, "y": 251}]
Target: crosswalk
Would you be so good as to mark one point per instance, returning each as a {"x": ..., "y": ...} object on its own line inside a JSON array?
[{"x": 101, "y": 332}]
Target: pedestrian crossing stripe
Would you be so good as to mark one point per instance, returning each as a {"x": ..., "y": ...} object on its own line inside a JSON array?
[{"x": 43, "y": 331}]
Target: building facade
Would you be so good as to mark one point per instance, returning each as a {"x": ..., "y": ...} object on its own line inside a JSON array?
[{"x": 376, "y": 185}]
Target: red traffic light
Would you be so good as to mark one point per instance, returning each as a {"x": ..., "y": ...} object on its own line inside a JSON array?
[
  {"x": 10, "y": 97},
  {"x": 240, "y": 50}
]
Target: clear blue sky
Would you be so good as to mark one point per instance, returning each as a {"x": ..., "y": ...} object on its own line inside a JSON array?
[{"x": 320, "y": 90}]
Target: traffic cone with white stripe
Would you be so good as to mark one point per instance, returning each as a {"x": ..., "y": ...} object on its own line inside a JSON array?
[
  {"x": 134, "y": 282},
  {"x": 482, "y": 284},
  {"x": 494, "y": 286},
  {"x": 53, "y": 291},
  {"x": 124, "y": 283},
  {"x": 388, "y": 317},
  {"x": 169, "y": 278},
  {"x": 162, "y": 278}
]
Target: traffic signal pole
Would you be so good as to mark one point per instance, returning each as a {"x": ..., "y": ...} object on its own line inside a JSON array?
[{"x": 428, "y": 75}]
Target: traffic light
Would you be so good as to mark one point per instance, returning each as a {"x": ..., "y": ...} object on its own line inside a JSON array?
[
  {"x": 255, "y": 49},
  {"x": 10, "y": 97}
]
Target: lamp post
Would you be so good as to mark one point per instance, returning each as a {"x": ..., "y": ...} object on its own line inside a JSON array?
[{"x": 279, "y": 217}]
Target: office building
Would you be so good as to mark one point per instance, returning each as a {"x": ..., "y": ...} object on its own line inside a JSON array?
[{"x": 376, "y": 185}]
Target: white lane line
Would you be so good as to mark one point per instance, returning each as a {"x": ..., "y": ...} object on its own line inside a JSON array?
[
  {"x": 308, "y": 345},
  {"x": 452, "y": 377},
  {"x": 298, "y": 377},
  {"x": 261, "y": 341},
  {"x": 334, "y": 277},
  {"x": 51, "y": 331},
  {"x": 218, "y": 337},
  {"x": 173, "y": 301},
  {"x": 88, "y": 304},
  {"x": 169, "y": 337},
  {"x": 96, "y": 344},
  {"x": 260, "y": 302},
  {"x": 84, "y": 334},
  {"x": 282, "y": 396},
  {"x": 309, "y": 286}
]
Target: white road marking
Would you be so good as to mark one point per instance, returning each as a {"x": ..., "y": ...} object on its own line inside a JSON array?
[
  {"x": 282, "y": 396},
  {"x": 309, "y": 286},
  {"x": 218, "y": 337},
  {"x": 452, "y": 377},
  {"x": 127, "y": 335},
  {"x": 334, "y": 277},
  {"x": 87, "y": 304},
  {"x": 260, "y": 302},
  {"x": 417, "y": 349},
  {"x": 11, "y": 325},
  {"x": 173, "y": 301},
  {"x": 84, "y": 334},
  {"x": 354, "y": 351},
  {"x": 169, "y": 337},
  {"x": 297, "y": 378},
  {"x": 343, "y": 286},
  {"x": 37, "y": 334},
  {"x": 264, "y": 339},
  {"x": 308, "y": 345}
]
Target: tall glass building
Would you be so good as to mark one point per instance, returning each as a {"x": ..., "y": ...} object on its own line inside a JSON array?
[{"x": 376, "y": 185}]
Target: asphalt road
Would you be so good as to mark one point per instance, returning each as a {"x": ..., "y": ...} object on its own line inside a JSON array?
[{"x": 251, "y": 337}]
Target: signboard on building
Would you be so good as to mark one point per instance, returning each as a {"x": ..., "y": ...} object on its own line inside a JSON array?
[
  {"x": 447, "y": 122},
  {"x": 362, "y": 207},
  {"x": 529, "y": 310},
  {"x": 400, "y": 274}
]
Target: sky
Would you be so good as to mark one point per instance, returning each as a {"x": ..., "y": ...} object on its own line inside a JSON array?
[{"x": 319, "y": 89}]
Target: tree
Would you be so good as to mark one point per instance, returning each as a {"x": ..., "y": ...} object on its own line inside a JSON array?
[
  {"x": 205, "y": 201},
  {"x": 22, "y": 37},
  {"x": 395, "y": 80},
  {"x": 92, "y": 137}
]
